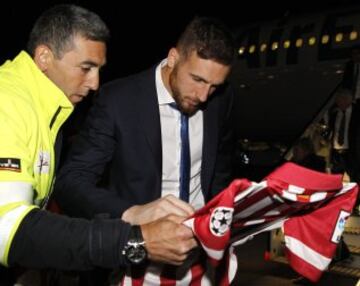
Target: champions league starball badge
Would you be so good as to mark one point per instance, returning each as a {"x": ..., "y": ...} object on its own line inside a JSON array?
[{"x": 220, "y": 220}]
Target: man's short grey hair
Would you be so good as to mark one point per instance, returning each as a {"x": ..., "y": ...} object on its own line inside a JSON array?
[{"x": 58, "y": 26}]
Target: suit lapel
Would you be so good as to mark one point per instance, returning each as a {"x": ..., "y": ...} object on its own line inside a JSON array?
[
  {"x": 210, "y": 139},
  {"x": 149, "y": 116}
]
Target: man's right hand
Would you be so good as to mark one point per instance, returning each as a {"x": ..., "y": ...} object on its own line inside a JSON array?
[
  {"x": 142, "y": 214},
  {"x": 167, "y": 240}
]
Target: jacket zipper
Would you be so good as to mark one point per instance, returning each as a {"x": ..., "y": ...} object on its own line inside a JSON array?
[{"x": 46, "y": 199}]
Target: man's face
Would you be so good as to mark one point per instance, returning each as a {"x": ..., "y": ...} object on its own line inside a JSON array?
[
  {"x": 193, "y": 79},
  {"x": 77, "y": 71}
]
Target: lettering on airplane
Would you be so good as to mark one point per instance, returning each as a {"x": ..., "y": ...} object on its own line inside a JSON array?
[{"x": 327, "y": 24}]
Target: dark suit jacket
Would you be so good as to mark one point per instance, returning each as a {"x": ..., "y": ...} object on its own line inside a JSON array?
[
  {"x": 349, "y": 78},
  {"x": 122, "y": 134},
  {"x": 353, "y": 138}
]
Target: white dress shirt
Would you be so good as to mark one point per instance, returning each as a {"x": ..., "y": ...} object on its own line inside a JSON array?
[
  {"x": 171, "y": 145},
  {"x": 339, "y": 115},
  {"x": 356, "y": 76}
]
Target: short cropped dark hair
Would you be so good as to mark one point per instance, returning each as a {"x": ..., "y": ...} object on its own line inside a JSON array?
[
  {"x": 57, "y": 27},
  {"x": 210, "y": 38}
]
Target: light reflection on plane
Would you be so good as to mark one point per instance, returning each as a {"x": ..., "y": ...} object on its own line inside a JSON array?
[{"x": 287, "y": 70}]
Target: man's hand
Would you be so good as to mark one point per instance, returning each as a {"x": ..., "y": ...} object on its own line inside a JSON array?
[
  {"x": 142, "y": 214},
  {"x": 167, "y": 240}
]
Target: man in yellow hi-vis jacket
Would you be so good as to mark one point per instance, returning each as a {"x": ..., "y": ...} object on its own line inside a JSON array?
[{"x": 38, "y": 89}]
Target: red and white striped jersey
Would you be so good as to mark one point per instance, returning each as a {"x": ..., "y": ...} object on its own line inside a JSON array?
[{"x": 310, "y": 206}]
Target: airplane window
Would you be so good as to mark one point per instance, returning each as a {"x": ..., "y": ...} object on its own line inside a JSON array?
[
  {"x": 325, "y": 39},
  {"x": 299, "y": 43},
  {"x": 353, "y": 35},
  {"x": 241, "y": 50},
  {"x": 275, "y": 46},
  {"x": 252, "y": 49},
  {"x": 286, "y": 44},
  {"x": 263, "y": 47},
  {"x": 312, "y": 41},
  {"x": 339, "y": 37}
]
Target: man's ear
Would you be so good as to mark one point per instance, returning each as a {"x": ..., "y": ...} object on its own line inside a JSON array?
[
  {"x": 173, "y": 57},
  {"x": 43, "y": 57}
]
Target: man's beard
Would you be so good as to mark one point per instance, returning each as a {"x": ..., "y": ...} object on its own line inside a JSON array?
[
  {"x": 176, "y": 93},
  {"x": 181, "y": 104}
]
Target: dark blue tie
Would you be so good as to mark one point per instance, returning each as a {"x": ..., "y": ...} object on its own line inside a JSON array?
[{"x": 185, "y": 156}]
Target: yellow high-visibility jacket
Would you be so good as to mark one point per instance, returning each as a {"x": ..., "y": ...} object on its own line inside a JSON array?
[{"x": 32, "y": 109}]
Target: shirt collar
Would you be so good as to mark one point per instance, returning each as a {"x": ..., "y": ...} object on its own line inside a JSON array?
[{"x": 164, "y": 96}]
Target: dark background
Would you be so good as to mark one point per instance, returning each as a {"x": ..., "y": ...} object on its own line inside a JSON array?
[{"x": 142, "y": 32}]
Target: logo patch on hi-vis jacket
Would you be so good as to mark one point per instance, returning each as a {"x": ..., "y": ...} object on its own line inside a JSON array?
[
  {"x": 220, "y": 220},
  {"x": 10, "y": 164},
  {"x": 42, "y": 165},
  {"x": 340, "y": 226}
]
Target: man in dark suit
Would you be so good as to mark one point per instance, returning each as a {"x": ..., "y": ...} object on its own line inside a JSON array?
[
  {"x": 351, "y": 79},
  {"x": 351, "y": 86},
  {"x": 134, "y": 130},
  {"x": 343, "y": 120}
]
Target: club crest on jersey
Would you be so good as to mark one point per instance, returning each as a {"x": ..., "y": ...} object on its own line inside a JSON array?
[
  {"x": 10, "y": 164},
  {"x": 220, "y": 220},
  {"x": 340, "y": 226}
]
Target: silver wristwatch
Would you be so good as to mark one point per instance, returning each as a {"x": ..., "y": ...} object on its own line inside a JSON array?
[{"x": 134, "y": 249}]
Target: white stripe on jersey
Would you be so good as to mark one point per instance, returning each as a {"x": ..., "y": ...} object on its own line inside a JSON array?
[{"x": 309, "y": 255}]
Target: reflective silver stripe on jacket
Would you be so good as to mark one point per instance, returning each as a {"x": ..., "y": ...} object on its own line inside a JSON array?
[
  {"x": 18, "y": 193},
  {"x": 11, "y": 192},
  {"x": 8, "y": 221}
]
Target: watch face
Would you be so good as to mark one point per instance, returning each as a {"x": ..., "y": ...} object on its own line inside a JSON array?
[{"x": 135, "y": 253}]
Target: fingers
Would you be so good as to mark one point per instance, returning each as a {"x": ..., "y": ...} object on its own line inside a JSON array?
[
  {"x": 142, "y": 214},
  {"x": 182, "y": 208},
  {"x": 171, "y": 205},
  {"x": 168, "y": 241},
  {"x": 175, "y": 218},
  {"x": 130, "y": 214}
]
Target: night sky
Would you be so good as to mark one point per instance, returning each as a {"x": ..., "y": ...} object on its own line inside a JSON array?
[{"x": 143, "y": 33}]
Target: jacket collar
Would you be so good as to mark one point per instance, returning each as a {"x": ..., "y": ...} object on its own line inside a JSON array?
[{"x": 47, "y": 95}]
